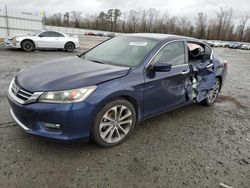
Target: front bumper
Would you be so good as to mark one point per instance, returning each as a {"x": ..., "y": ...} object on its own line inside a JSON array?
[
  {"x": 9, "y": 43},
  {"x": 75, "y": 119}
]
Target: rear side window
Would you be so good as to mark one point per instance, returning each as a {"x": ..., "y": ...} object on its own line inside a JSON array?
[
  {"x": 198, "y": 52},
  {"x": 173, "y": 53},
  {"x": 208, "y": 52}
]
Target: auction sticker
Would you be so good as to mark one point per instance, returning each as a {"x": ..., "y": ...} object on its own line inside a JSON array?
[{"x": 138, "y": 44}]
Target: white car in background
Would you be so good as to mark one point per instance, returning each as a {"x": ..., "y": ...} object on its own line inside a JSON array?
[
  {"x": 217, "y": 44},
  {"x": 46, "y": 39},
  {"x": 245, "y": 47}
]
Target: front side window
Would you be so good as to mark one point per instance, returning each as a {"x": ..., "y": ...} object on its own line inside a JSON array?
[
  {"x": 173, "y": 53},
  {"x": 122, "y": 51}
]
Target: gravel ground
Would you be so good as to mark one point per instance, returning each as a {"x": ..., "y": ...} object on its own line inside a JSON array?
[{"x": 194, "y": 146}]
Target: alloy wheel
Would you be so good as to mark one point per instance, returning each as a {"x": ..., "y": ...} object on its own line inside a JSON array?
[
  {"x": 214, "y": 92},
  {"x": 115, "y": 124}
]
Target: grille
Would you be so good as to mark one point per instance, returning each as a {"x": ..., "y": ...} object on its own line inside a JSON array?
[{"x": 20, "y": 93}]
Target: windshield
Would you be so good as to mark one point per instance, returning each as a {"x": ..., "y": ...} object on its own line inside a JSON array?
[
  {"x": 34, "y": 33},
  {"x": 121, "y": 51}
]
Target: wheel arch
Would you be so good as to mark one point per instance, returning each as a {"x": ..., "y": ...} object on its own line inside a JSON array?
[
  {"x": 220, "y": 79},
  {"x": 28, "y": 40},
  {"x": 126, "y": 97}
]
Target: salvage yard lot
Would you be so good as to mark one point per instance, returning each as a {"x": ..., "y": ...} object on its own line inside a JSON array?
[{"x": 194, "y": 146}]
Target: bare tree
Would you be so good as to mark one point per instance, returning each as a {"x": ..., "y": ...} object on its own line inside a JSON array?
[
  {"x": 151, "y": 15},
  {"x": 55, "y": 19},
  {"x": 220, "y": 27},
  {"x": 201, "y": 24},
  {"x": 76, "y": 18},
  {"x": 102, "y": 20},
  {"x": 242, "y": 26},
  {"x": 228, "y": 24},
  {"x": 133, "y": 19},
  {"x": 172, "y": 24},
  {"x": 220, "y": 16},
  {"x": 66, "y": 17},
  {"x": 184, "y": 25},
  {"x": 143, "y": 21}
]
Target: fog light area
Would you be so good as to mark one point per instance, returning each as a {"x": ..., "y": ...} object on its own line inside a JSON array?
[{"x": 52, "y": 125}]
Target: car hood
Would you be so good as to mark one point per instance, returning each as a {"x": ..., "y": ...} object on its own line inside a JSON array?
[
  {"x": 11, "y": 37},
  {"x": 67, "y": 73}
]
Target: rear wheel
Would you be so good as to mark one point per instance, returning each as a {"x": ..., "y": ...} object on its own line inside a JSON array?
[
  {"x": 28, "y": 46},
  {"x": 213, "y": 94},
  {"x": 114, "y": 123},
  {"x": 69, "y": 47}
]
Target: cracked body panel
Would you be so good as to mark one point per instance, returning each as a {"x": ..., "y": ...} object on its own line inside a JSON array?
[{"x": 205, "y": 68}]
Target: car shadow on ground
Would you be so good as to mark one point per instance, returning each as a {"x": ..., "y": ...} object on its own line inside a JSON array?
[
  {"x": 3, "y": 48},
  {"x": 139, "y": 131}
]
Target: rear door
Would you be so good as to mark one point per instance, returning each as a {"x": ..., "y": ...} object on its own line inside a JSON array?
[
  {"x": 203, "y": 69},
  {"x": 165, "y": 90}
]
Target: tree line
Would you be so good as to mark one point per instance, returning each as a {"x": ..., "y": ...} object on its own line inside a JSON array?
[{"x": 218, "y": 27}]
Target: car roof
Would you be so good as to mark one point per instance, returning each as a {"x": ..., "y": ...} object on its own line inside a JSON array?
[
  {"x": 161, "y": 37},
  {"x": 53, "y": 31}
]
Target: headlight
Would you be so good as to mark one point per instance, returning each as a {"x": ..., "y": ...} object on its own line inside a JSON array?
[
  {"x": 67, "y": 96},
  {"x": 14, "y": 39}
]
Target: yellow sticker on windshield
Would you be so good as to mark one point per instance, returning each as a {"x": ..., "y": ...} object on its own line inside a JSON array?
[{"x": 138, "y": 44}]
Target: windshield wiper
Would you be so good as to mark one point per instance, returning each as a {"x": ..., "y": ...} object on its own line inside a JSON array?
[{"x": 96, "y": 61}]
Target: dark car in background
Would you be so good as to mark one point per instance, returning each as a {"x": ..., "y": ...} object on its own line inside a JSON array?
[
  {"x": 234, "y": 45},
  {"x": 100, "y": 34},
  {"x": 105, "y": 92},
  {"x": 90, "y": 33}
]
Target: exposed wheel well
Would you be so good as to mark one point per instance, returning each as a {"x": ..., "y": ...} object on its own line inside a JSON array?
[
  {"x": 220, "y": 79},
  {"x": 27, "y": 40},
  {"x": 132, "y": 101}
]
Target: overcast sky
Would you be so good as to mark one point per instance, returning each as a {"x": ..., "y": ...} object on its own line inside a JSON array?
[{"x": 187, "y": 8}]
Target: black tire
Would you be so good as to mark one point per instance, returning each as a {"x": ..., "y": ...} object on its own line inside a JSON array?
[
  {"x": 96, "y": 129},
  {"x": 208, "y": 101},
  {"x": 69, "y": 47},
  {"x": 28, "y": 46}
]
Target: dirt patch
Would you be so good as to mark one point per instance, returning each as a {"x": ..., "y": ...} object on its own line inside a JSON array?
[
  {"x": 193, "y": 146},
  {"x": 225, "y": 98}
]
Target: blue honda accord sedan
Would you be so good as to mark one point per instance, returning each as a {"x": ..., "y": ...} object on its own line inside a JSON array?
[{"x": 104, "y": 92}]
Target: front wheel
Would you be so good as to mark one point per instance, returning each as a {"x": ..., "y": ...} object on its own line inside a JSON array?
[
  {"x": 28, "y": 46},
  {"x": 213, "y": 94},
  {"x": 114, "y": 123}
]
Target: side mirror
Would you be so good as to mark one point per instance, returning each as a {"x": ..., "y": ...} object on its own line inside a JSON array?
[
  {"x": 41, "y": 36},
  {"x": 162, "y": 67}
]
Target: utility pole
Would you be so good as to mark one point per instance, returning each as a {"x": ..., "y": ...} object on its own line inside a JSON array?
[
  {"x": 43, "y": 19},
  {"x": 6, "y": 18}
]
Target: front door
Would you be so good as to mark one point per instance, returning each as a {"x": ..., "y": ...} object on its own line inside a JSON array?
[
  {"x": 48, "y": 39},
  {"x": 166, "y": 90}
]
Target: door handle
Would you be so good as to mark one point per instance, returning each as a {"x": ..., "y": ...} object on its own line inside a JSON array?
[{"x": 185, "y": 72}]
